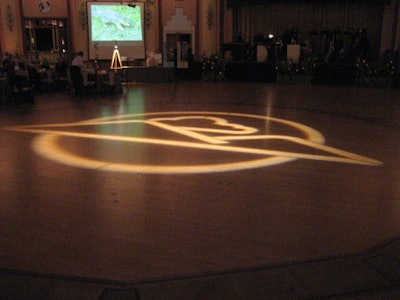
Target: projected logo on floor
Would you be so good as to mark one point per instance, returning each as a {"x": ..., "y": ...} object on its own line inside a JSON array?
[{"x": 184, "y": 142}]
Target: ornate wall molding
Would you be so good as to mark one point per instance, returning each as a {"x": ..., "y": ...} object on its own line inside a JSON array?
[{"x": 9, "y": 18}]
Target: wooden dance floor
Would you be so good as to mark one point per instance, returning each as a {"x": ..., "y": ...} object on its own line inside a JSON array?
[{"x": 195, "y": 181}]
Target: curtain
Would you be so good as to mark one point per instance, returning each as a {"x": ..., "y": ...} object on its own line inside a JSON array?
[{"x": 345, "y": 16}]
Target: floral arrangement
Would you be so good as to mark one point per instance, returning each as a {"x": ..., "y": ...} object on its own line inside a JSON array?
[
  {"x": 290, "y": 72},
  {"x": 380, "y": 74},
  {"x": 213, "y": 68}
]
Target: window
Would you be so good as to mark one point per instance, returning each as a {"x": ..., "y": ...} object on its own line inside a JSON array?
[{"x": 45, "y": 37}]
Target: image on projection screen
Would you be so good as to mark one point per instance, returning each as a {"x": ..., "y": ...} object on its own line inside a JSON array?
[{"x": 116, "y": 23}]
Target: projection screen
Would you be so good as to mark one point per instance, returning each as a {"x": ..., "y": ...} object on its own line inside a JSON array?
[{"x": 116, "y": 23}]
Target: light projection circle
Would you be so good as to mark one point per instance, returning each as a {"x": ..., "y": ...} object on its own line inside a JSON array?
[{"x": 223, "y": 141}]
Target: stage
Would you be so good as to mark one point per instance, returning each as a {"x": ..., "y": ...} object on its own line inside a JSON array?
[
  {"x": 240, "y": 71},
  {"x": 234, "y": 71},
  {"x": 251, "y": 71},
  {"x": 148, "y": 74}
]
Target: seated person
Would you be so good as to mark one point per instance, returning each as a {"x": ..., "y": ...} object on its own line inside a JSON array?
[
  {"x": 77, "y": 66},
  {"x": 45, "y": 64},
  {"x": 61, "y": 68}
]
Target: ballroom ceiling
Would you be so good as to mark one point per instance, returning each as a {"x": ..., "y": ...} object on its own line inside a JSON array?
[{"x": 239, "y": 3}]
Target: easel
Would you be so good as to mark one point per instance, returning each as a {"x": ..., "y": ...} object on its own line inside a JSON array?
[{"x": 116, "y": 64}]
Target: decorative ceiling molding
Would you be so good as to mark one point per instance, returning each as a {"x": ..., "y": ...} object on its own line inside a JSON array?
[
  {"x": 241, "y": 3},
  {"x": 179, "y": 21}
]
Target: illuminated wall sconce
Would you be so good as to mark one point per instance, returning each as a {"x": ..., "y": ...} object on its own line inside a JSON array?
[
  {"x": 147, "y": 16},
  {"x": 9, "y": 18},
  {"x": 147, "y": 13},
  {"x": 210, "y": 17},
  {"x": 83, "y": 16}
]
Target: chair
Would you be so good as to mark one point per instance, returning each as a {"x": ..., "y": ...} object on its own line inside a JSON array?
[
  {"x": 4, "y": 90},
  {"x": 107, "y": 81},
  {"x": 23, "y": 87},
  {"x": 70, "y": 83},
  {"x": 63, "y": 81},
  {"x": 46, "y": 79},
  {"x": 115, "y": 81}
]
